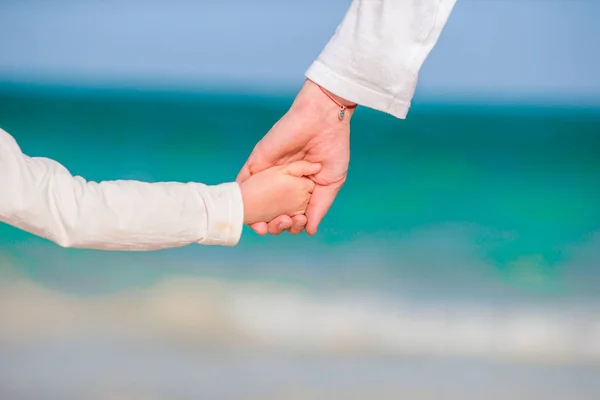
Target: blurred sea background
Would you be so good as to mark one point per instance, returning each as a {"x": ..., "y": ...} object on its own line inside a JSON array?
[{"x": 460, "y": 260}]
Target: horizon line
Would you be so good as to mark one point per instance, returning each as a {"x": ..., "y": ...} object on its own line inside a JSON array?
[{"x": 134, "y": 88}]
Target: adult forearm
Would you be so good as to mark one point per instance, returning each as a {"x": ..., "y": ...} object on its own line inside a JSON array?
[
  {"x": 41, "y": 196},
  {"x": 375, "y": 55}
]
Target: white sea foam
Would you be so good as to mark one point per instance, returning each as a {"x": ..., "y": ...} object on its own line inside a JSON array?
[
  {"x": 203, "y": 311},
  {"x": 345, "y": 317}
]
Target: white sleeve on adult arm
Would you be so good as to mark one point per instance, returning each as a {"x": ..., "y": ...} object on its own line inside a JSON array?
[
  {"x": 40, "y": 196},
  {"x": 375, "y": 55}
]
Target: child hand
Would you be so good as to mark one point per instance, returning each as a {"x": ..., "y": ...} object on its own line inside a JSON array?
[{"x": 281, "y": 190}]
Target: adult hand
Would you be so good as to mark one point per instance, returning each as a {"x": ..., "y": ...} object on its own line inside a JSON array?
[{"x": 311, "y": 130}]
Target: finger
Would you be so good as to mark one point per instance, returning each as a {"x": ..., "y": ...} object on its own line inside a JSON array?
[
  {"x": 280, "y": 224},
  {"x": 255, "y": 164},
  {"x": 298, "y": 224},
  {"x": 260, "y": 228},
  {"x": 303, "y": 168},
  {"x": 309, "y": 185},
  {"x": 320, "y": 201}
]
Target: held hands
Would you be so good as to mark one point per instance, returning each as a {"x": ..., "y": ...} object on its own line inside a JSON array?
[
  {"x": 282, "y": 190},
  {"x": 312, "y": 131}
]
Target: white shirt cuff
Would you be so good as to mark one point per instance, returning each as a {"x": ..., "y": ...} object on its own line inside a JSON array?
[
  {"x": 352, "y": 91},
  {"x": 225, "y": 212}
]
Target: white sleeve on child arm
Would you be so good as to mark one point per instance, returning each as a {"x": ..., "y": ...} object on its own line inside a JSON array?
[
  {"x": 375, "y": 55},
  {"x": 40, "y": 196}
]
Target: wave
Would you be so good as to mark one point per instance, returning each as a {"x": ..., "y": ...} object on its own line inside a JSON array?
[{"x": 207, "y": 312}]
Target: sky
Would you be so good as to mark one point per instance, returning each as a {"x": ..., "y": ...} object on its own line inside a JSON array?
[{"x": 502, "y": 48}]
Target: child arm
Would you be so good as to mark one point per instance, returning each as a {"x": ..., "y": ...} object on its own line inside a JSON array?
[{"x": 41, "y": 196}]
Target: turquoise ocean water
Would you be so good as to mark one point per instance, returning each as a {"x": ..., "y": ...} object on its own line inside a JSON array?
[{"x": 468, "y": 230}]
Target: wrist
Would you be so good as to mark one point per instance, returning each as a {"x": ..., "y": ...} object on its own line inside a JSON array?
[
  {"x": 338, "y": 99},
  {"x": 315, "y": 100},
  {"x": 248, "y": 217}
]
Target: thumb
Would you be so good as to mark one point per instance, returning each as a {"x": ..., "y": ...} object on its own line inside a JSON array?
[
  {"x": 255, "y": 164},
  {"x": 322, "y": 198},
  {"x": 244, "y": 174},
  {"x": 303, "y": 168}
]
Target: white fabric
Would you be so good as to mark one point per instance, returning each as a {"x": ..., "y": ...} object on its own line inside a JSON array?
[
  {"x": 40, "y": 196},
  {"x": 377, "y": 51},
  {"x": 373, "y": 59}
]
